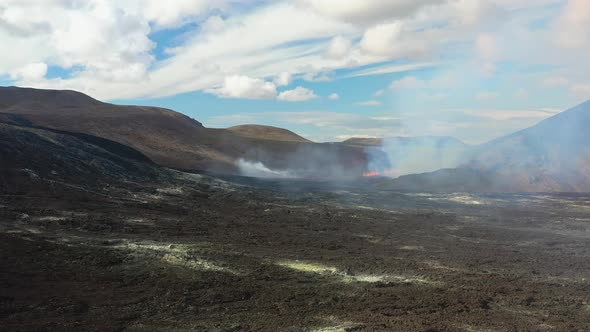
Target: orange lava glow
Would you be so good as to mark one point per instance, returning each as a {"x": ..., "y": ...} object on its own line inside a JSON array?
[{"x": 388, "y": 172}]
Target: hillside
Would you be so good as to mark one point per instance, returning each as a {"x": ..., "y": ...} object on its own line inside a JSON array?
[
  {"x": 30, "y": 154},
  {"x": 267, "y": 133},
  {"x": 169, "y": 138}
]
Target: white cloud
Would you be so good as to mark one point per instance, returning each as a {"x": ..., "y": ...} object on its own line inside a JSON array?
[
  {"x": 407, "y": 82},
  {"x": 388, "y": 69},
  {"x": 172, "y": 13},
  {"x": 283, "y": 79},
  {"x": 489, "y": 51},
  {"x": 438, "y": 96},
  {"x": 573, "y": 25},
  {"x": 522, "y": 93},
  {"x": 392, "y": 40},
  {"x": 444, "y": 80},
  {"x": 581, "y": 90},
  {"x": 245, "y": 87},
  {"x": 30, "y": 73},
  {"x": 338, "y": 48},
  {"x": 486, "y": 96},
  {"x": 213, "y": 24},
  {"x": 379, "y": 93},
  {"x": 105, "y": 45},
  {"x": 366, "y": 11},
  {"x": 556, "y": 82},
  {"x": 369, "y": 103},
  {"x": 297, "y": 94},
  {"x": 334, "y": 96},
  {"x": 506, "y": 115},
  {"x": 98, "y": 36}
]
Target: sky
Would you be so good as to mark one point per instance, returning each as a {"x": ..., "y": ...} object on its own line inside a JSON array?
[{"x": 326, "y": 69}]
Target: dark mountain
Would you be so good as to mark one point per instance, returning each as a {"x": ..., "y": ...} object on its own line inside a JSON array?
[
  {"x": 169, "y": 138},
  {"x": 552, "y": 156}
]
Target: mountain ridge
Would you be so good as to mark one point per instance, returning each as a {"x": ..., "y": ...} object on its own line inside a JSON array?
[{"x": 169, "y": 138}]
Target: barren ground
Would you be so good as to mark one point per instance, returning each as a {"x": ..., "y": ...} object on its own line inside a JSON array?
[{"x": 207, "y": 255}]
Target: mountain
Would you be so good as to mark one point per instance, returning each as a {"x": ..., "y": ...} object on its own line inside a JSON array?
[
  {"x": 552, "y": 156},
  {"x": 172, "y": 139},
  {"x": 267, "y": 133}
]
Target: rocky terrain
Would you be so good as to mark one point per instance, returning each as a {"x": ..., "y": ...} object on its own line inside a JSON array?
[{"x": 194, "y": 253}]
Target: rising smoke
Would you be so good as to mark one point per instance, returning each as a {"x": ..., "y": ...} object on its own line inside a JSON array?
[{"x": 258, "y": 170}]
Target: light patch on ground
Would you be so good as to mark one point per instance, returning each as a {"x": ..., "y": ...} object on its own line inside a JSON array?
[
  {"x": 521, "y": 311},
  {"x": 195, "y": 263},
  {"x": 471, "y": 328},
  {"x": 171, "y": 191},
  {"x": 465, "y": 199},
  {"x": 412, "y": 248},
  {"x": 324, "y": 270},
  {"x": 566, "y": 280},
  {"x": 336, "y": 325},
  {"x": 369, "y": 238},
  {"x": 438, "y": 266},
  {"x": 309, "y": 267},
  {"x": 178, "y": 255},
  {"x": 50, "y": 218},
  {"x": 454, "y": 228},
  {"x": 139, "y": 221}
]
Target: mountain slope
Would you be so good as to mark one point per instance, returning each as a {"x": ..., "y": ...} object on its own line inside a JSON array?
[
  {"x": 267, "y": 133},
  {"x": 169, "y": 138},
  {"x": 29, "y": 154},
  {"x": 552, "y": 156}
]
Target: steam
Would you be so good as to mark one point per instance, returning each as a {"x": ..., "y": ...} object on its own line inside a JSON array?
[
  {"x": 412, "y": 155},
  {"x": 259, "y": 170}
]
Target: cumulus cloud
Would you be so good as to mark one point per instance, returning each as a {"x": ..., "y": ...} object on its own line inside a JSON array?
[
  {"x": 104, "y": 46},
  {"x": 30, "y": 73},
  {"x": 390, "y": 40},
  {"x": 334, "y": 96},
  {"x": 172, "y": 13},
  {"x": 573, "y": 25},
  {"x": 245, "y": 87},
  {"x": 338, "y": 48},
  {"x": 297, "y": 94},
  {"x": 366, "y": 11},
  {"x": 107, "y": 42},
  {"x": 283, "y": 79},
  {"x": 379, "y": 93}
]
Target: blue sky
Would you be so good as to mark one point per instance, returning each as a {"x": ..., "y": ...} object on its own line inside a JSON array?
[{"x": 327, "y": 69}]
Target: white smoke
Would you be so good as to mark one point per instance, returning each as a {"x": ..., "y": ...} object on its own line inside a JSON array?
[{"x": 259, "y": 170}]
